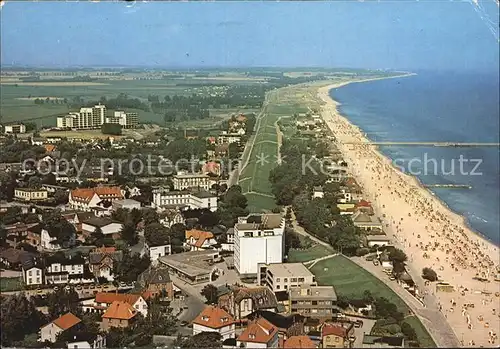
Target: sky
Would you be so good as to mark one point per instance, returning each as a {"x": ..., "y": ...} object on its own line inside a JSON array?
[{"x": 407, "y": 35}]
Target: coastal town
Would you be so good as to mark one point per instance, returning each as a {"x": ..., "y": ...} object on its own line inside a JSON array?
[{"x": 99, "y": 254}]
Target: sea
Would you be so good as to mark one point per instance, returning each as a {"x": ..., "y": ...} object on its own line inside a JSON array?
[{"x": 437, "y": 107}]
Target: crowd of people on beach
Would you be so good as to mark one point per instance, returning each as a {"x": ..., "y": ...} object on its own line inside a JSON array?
[{"x": 434, "y": 236}]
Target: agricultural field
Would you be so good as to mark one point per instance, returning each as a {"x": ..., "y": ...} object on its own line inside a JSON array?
[{"x": 17, "y": 98}]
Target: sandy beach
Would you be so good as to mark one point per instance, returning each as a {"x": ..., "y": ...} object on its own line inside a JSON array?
[{"x": 429, "y": 232}]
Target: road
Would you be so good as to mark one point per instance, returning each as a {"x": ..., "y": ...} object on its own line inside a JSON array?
[
  {"x": 83, "y": 293},
  {"x": 443, "y": 335},
  {"x": 302, "y": 232}
]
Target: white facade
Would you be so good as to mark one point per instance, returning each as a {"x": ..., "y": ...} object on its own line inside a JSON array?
[
  {"x": 47, "y": 242},
  {"x": 33, "y": 276},
  {"x": 50, "y": 332},
  {"x": 257, "y": 243},
  {"x": 283, "y": 276},
  {"x": 86, "y": 118},
  {"x": 128, "y": 204},
  {"x": 108, "y": 229},
  {"x": 156, "y": 252},
  {"x": 226, "y": 332},
  {"x": 19, "y": 128},
  {"x": 191, "y": 180},
  {"x": 100, "y": 342},
  {"x": 195, "y": 200}
]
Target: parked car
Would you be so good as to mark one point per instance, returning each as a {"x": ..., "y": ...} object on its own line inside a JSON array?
[
  {"x": 375, "y": 262},
  {"x": 79, "y": 287},
  {"x": 56, "y": 289}
]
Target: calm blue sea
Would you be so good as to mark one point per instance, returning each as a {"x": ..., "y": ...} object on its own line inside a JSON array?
[{"x": 442, "y": 107}]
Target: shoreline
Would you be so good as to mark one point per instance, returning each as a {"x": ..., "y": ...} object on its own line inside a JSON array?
[
  {"x": 452, "y": 248},
  {"x": 377, "y": 149}
]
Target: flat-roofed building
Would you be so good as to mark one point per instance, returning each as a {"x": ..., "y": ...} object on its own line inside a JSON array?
[
  {"x": 193, "y": 267},
  {"x": 191, "y": 180},
  {"x": 313, "y": 301},
  {"x": 17, "y": 128},
  {"x": 28, "y": 194},
  {"x": 258, "y": 238},
  {"x": 283, "y": 276},
  {"x": 193, "y": 199}
]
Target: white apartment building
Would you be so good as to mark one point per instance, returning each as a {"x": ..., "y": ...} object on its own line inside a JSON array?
[
  {"x": 283, "y": 276},
  {"x": 18, "y": 128},
  {"x": 193, "y": 199},
  {"x": 33, "y": 275},
  {"x": 126, "y": 120},
  {"x": 258, "y": 238},
  {"x": 191, "y": 180},
  {"x": 86, "y": 118}
]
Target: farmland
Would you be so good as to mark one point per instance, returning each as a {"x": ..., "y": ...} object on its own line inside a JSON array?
[{"x": 17, "y": 99}]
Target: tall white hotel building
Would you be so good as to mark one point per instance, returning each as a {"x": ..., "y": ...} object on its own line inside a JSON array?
[{"x": 258, "y": 238}]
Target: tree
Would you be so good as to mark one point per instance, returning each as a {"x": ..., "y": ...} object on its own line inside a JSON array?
[
  {"x": 131, "y": 267},
  {"x": 19, "y": 317},
  {"x": 429, "y": 274},
  {"x": 61, "y": 196},
  {"x": 203, "y": 340},
  {"x": 58, "y": 227},
  {"x": 62, "y": 301},
  {"x": 129, "y": 233},
  {"x": 156, "y": 234},
  {"x": 210, "y": 293},
  {"x": 408, "y": 331},
  {"x": 291, "y": 240},
  {"x": 97, "y": 237},
  {"x": 150, "y": 216},
  {"x": 34, "y": 182},
  {"x": 111, "y": 129}
]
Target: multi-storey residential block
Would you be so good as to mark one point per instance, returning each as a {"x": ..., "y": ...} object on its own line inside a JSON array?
[
  {"x": 283, "y": 276},
  {"x": 196, "y": 199},
  {"x": 17, "y": 128},
  {"x": 191, "y": 180},
  {"x": 126, "y": 120},
  {"x": 258, "y": 238},
  {"x": 313, "y": 301}
]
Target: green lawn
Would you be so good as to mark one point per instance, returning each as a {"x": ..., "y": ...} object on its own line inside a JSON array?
[
  {"x": 351, "y": 280},
  {"x": 10, "y": 284},
  {"x": 424, "y": 338},
  {"x": 314, "y": 252}
]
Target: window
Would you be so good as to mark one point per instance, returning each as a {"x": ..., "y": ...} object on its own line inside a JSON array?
[
  {"x": 278, "y": 287},
  {"x": 29, "y": 281},
  {"x": 29, "y": 273},
  {"x": 144, "y": 306},
  {"x": 293, "y": 279},
  {"x": 277, "y": 279},
  {"x": 285, "y": 280},
  {"x": 301, "y": 280}
]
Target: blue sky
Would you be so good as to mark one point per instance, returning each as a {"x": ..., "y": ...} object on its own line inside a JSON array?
[{"x": 395, "y": 35}]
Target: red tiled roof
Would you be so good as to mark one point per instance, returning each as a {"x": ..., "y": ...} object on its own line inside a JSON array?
[
  {"x": 364, "y": 203},
  {"x": 110, "y": 297},
  {"x": 199, "y": 235},
  {"x": 49, "y": 147},
  {"x": 214, "y": 317},
  {"x": 261, "y": 331},
  {"x": 337, "y": 330},
  {"x": 66, "y": 321},
  {"x": 299, "y": 342},
  {"x": 119, "y": 310},
  {"x": 86, "y": 194}
]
